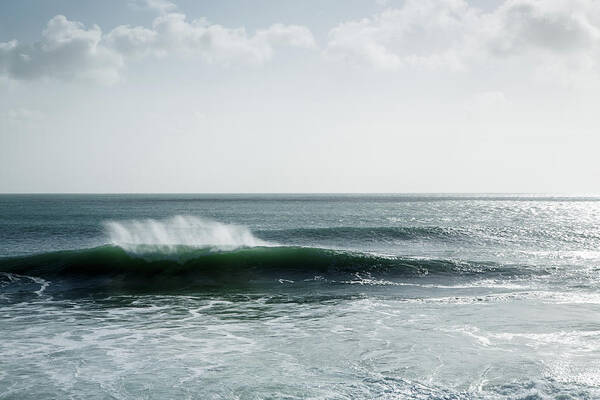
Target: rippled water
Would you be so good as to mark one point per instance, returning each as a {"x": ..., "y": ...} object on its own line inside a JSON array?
[{"x": 322, "y": 297}]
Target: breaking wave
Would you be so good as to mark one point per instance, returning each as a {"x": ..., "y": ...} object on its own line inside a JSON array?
[
  {"x": 188, "y": 266},
  {"x": 189, "y": 251},
  {"x": 169, "y": 234}
]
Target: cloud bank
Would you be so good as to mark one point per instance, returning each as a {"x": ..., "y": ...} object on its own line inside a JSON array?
[
  {"x": 454, "y": 34},
  {"x": 554, "y": 38},
  {"x": 68, "y": 50},
  {"x": 160, "y": 6}
]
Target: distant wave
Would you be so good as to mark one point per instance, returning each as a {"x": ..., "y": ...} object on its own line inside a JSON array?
[
  {"x": 541, "y": 238},
  {"x": 383, "y": 234}
]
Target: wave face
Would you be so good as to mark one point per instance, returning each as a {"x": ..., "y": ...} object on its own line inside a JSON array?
[
  {"x": 185, "y": 251},
  {"x": 169, "y": 234},
  {"x": 190, "y": 267}
]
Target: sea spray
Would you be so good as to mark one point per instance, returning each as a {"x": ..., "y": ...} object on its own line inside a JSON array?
[{"x": 170, "y": 234}]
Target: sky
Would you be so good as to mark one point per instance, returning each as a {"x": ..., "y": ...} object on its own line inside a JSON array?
[{"x": 299, "y": 96}]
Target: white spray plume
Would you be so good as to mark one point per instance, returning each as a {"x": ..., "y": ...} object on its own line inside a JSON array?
[{"x": 171, "y": 233}]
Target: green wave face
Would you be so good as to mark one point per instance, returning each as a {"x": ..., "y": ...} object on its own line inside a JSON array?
[{"x": 186, "y": 266}]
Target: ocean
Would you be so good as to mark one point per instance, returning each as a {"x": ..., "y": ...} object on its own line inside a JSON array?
[{"x": 299, "y": 297}]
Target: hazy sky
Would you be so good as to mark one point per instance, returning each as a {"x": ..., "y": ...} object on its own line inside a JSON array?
[{"x": 300, "y": 96}]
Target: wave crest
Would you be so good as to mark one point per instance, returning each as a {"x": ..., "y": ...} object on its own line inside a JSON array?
[{"x": 168, "y": 235}]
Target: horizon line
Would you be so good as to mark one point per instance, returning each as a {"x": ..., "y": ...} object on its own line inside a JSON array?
[{"x": 549, "y": 194}]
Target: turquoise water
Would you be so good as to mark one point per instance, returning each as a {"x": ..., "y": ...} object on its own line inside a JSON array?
[{"x": 299, "y": 296}]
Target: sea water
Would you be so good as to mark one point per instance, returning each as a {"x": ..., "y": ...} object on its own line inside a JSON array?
[{"x": 299, "y": 297}]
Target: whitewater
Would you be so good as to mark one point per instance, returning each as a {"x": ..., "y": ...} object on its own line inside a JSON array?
[{"x": 300, "y": 296}]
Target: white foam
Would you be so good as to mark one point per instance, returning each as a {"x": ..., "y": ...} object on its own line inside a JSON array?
[
  {"x": 43, "y": 284},
  {"x": 170, "y": 233}
]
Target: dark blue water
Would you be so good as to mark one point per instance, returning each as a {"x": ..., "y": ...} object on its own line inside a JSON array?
[{"x": 299, "y": 296}]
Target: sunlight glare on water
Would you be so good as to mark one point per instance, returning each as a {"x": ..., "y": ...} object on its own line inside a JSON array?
[{"x": 379, "y": 297}]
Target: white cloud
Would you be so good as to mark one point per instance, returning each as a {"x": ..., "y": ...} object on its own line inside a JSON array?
[
  {"x": 555, "y": 26},
  {"x": 424, "y": 33},
  {"x": 453, "y": 34},
  {"x": 67, "y": 50},
  {"x": 173, "y": 34},
  {"x": 131, "y": 41},
  {"x": 161, "y": 6},
  {"x": 286, "y": 35}
]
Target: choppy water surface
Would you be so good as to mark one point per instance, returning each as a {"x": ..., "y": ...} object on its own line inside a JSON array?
[{"x": 297, "y": 296}]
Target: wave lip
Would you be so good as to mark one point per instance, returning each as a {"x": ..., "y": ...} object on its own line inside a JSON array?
[
  {"x": 169, "y": 235},
  {"x": 378, "y": 233}
]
